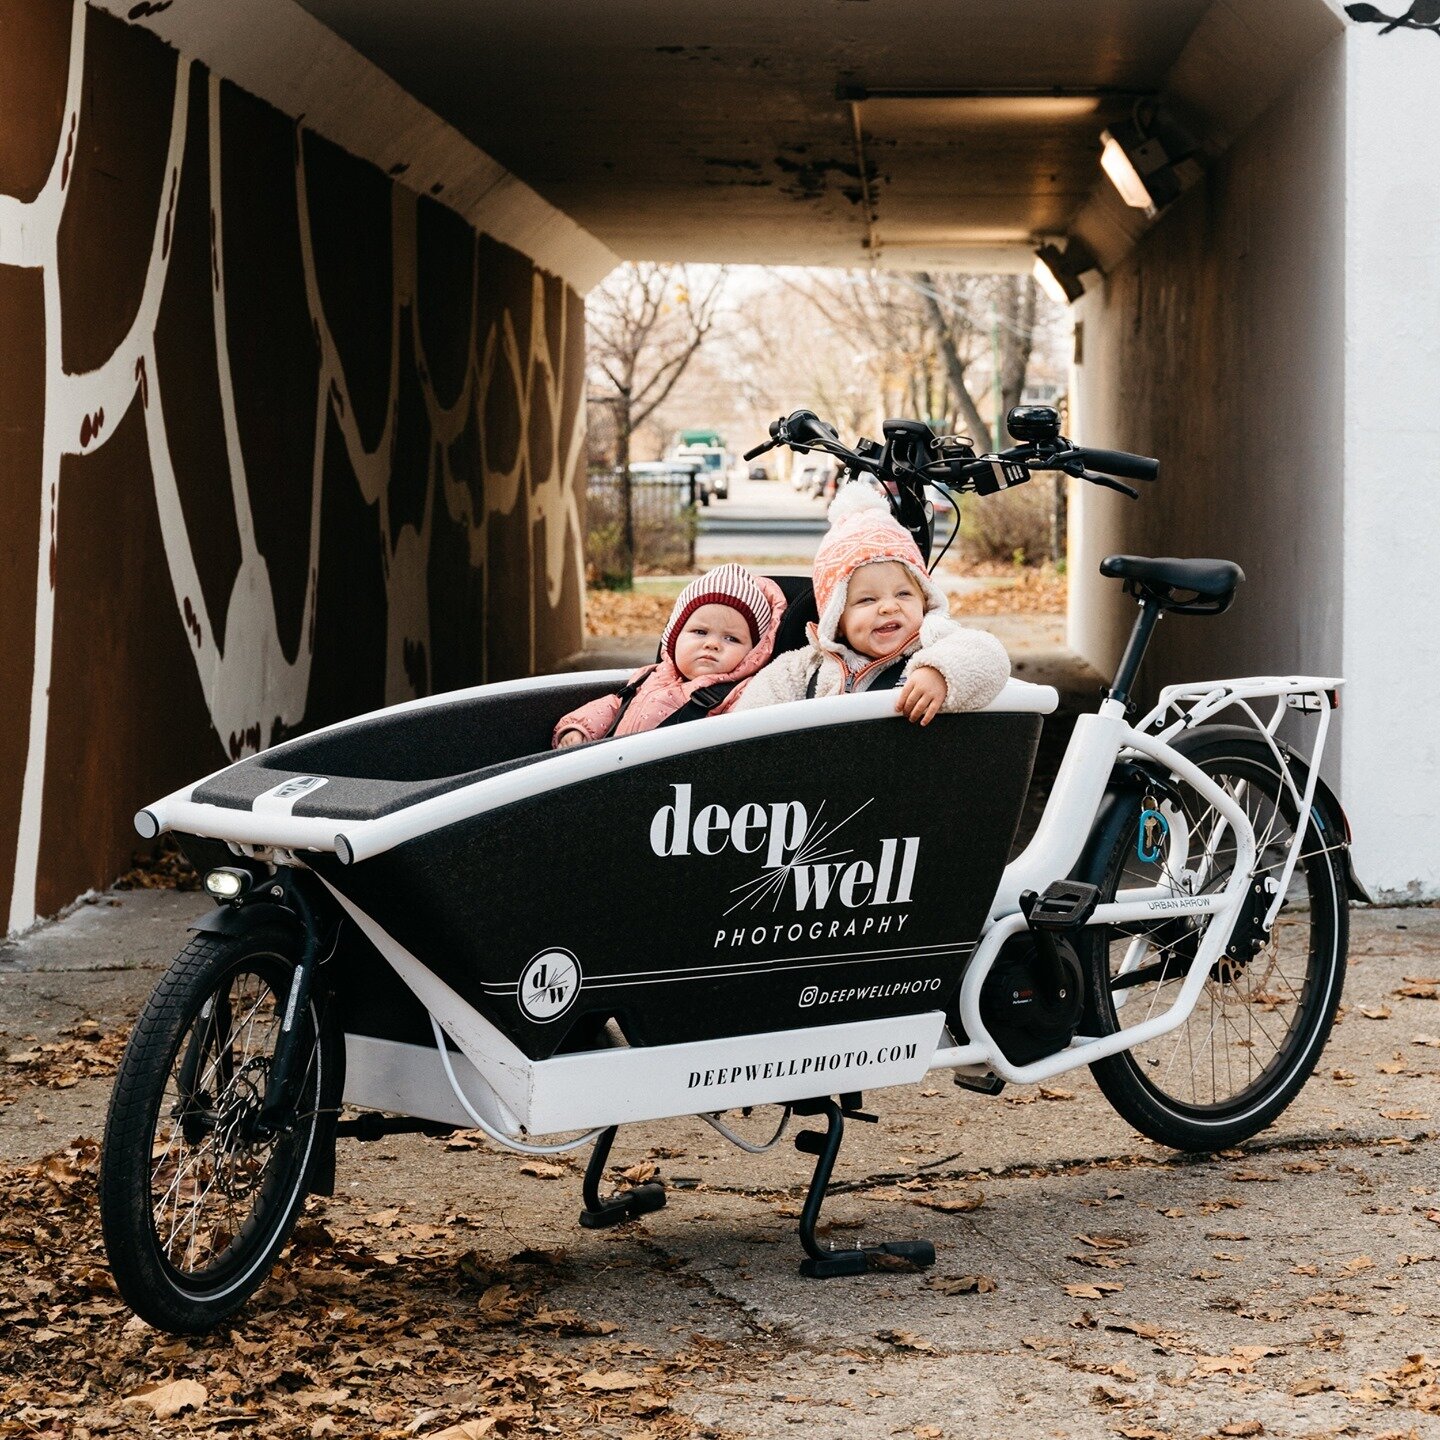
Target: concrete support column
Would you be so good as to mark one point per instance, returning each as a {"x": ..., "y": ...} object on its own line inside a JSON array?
[{"x": 1389, "y": 575}]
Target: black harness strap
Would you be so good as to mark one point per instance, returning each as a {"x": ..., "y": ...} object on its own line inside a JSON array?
[
  {"x": 627, "y": 692},
  {"x": 700, "y": 704}
]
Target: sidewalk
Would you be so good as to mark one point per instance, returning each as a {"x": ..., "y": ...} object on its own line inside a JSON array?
[{"x": 1087, "y": 1281}]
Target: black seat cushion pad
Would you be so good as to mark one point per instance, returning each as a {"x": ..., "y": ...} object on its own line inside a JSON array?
[{"x": 1205, "y": 577}]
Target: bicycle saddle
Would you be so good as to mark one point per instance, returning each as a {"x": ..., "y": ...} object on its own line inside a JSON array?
[{"x": 1212, "y": 582}]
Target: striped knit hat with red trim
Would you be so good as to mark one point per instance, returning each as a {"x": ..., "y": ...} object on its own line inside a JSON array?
[{"x": 731, "y": 585}]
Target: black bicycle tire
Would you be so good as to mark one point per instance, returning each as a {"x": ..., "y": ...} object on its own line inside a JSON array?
[
  {"x": 145, "y": 1281},
  {"x": 1120, "y": 1078}
]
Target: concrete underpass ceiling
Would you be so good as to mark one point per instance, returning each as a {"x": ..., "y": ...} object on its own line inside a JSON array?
[{"x": 715, "y": 132}]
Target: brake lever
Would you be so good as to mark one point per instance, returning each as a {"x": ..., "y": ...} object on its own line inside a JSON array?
[{"x": 1107, "y": 481}]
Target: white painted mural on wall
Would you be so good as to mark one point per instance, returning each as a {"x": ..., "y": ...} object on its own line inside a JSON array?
[{"x": 247, "y": 681}]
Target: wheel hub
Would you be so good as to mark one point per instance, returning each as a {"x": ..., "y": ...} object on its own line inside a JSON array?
[{"x": 241, "y": 1165}]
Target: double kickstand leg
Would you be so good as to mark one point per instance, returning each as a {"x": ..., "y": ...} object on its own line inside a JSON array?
[
  {"x": 615, "y": 1209},
  {"x": 823, "y": 1261}
]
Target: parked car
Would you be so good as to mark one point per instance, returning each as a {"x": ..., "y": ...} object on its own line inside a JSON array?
[
  {"x": 759, "y": 472},
  {"x": 715, "y": 463}
]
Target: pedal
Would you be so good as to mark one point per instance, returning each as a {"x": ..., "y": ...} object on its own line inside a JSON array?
[
  {"x": 990, "y": 1084},
  {"x": 629, "y": 1204},
  {"x": 1065, "y": 905}
]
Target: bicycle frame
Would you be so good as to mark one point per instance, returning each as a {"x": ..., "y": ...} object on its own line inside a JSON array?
[
  {"x": 1098, "y": 743},
  {"x": 517, "y": 1097}
]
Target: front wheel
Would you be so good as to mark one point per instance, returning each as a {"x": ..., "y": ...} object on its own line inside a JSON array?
[
  {"x": 1261, "y": 1022},
  {"x": 195, "y": 1201}
]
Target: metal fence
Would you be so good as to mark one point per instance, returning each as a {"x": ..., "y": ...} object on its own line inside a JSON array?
[{"x": 664, "y": 513}]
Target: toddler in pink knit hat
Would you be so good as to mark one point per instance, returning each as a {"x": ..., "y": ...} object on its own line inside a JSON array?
[
  {"x": 883, "y": 623},
  {"x": 721, "y": 631}
]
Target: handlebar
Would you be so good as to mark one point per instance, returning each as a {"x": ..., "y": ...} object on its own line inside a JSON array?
[{"x": 1119, "y": 462}]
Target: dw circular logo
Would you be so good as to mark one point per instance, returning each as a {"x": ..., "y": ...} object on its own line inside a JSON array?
[{"x": 549, "y": 985}]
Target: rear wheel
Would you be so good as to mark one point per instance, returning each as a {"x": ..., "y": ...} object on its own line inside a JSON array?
[
  {"x": 195, "y": 1201},
  {"x": 1262, "y": 1020}
]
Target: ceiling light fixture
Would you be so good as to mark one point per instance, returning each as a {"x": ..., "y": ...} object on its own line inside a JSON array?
[
  {"x": 1141, "y": 157},
  {"x": 1058, "y": 271}
]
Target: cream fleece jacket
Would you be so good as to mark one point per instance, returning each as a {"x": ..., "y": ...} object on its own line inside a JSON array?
[{"x": 973, "y": 664}]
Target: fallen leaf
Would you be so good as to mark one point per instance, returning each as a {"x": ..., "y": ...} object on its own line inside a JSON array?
[
  {"x": 1096, "y": 1290},
  {"x": 1358, "y": 1264},
  {"x": 952, "y": 1204},
  {"x": 170, "y": 1399},
  {"x": 1243, "y": 1427},
  {"x": 963, "y": 1285},
  {"x": 1375, "y": 1012},
  {"x": 543, "y": 1170},
  {"x": 1104, "y": 1242},
  {"x": 1433, "y": 1041},
  {"x": 1054, "y": 1092},
  {"x": 1404, "y": 1114},
  {"x": 1115, "y": 1399},
  {"x": 639, "y": 1174},
  {"x": 610, "y": 1380},
  {"x": 467, "y": 1430},
  {"x": 904, "y": 1340},
  {"x": 1255, "y": 1352},
  {"x": 1119, "y": 1370},
  {"x": 1223, "y": 1365}
]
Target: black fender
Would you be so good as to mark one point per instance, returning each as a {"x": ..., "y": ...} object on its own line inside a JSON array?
[
  {"x": 1133, "y": 775},
  {"x": 238, "y": 919}
]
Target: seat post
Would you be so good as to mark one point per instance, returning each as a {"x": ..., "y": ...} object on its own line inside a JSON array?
[{"x": 1150, "y": 612}]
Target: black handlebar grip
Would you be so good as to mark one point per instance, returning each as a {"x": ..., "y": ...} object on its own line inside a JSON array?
[
  {"x": 805, "y": 426},
  {"x": 1122, "y": 463},
  {"x": 760, "y": 449}
]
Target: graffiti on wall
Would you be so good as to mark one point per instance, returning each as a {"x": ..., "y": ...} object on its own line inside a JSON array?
[{"x": 299, "y": 423}]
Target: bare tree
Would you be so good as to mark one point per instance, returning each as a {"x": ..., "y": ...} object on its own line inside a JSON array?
[
  {"x": 992, "y": 318},
  {"x": 645, "y": 323}
]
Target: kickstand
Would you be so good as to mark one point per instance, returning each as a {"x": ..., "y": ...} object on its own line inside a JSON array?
[
  {"x": 823, "y": 1261},
  {"x": 615, "y": 1209}
]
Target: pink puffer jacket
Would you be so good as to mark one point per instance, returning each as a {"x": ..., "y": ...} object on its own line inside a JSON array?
[{"x": 664, "y": 690}]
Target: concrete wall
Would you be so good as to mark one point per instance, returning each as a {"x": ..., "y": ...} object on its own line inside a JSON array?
[
  {"x": 1391, "y": 556},
  {"x": 1273, "y": 339},
  {"x": 280, "y": 440},
  {"x": 1218, "y": 347}
]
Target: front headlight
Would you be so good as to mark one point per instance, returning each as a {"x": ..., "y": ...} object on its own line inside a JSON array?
[{"x": 228, "y": 882}]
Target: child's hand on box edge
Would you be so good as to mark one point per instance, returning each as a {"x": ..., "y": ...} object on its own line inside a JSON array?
[
  {"x": 569, "y": 738},
  {"x": 922, "y": 696}
]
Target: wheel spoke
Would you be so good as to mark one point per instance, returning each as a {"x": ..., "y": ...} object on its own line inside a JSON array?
[
  {"x": 1260, "y": 1005},
  {"x": 206, "y": 1184}
]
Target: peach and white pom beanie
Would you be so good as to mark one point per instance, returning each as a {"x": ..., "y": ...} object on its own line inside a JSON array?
[{"x": 863, "y": 532}]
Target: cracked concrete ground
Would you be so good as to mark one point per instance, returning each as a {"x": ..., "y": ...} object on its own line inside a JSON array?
[{"x": 1134, "y": 1292}]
